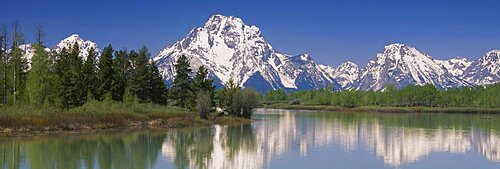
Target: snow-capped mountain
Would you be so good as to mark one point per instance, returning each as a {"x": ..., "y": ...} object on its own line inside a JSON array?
[
  {"x": 347, "y": 75},
  {"x": 85, "y": 46},
  {"x": 456, "y": 66},
  {"x": 230, "y": 49},
  {"x": 28, "y": 52},
  {"x": 401, "y": 65},
  {"x": 484, "y": 71}
]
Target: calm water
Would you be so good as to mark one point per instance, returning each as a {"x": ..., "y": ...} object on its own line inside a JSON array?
[{"x": 277, "y": 139}]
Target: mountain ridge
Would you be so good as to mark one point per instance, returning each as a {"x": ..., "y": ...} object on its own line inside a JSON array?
[{"x": 230, "y": 49}]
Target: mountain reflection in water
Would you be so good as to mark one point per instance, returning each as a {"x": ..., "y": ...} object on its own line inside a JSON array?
[
  {"x": 276, "y": 139},
  {"x": 395, "y": 140}
]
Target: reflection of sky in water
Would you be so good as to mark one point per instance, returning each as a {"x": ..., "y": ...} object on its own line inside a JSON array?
[{"x": 290, "y": 140}]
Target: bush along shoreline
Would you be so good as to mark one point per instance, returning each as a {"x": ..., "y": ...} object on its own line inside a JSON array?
[
  {"x": 95, "y": 116},
  {"x": 410, "y": 99},
  {"x": 379, "y": 109},
  {"x": 62, "y": 90}
]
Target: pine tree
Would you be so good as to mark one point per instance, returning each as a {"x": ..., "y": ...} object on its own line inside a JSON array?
[
  {"x": 62, "y": 83},
  {"x": 105, "y": 73},
  {"x": 181, "y": 91},
  {"x": 70, "y": 86},
  {"x": 3, "y": 62},
  {"x": 119, "y": 82},
  {"x": 226, "y": 96},
  {"x": 39, "y": 35},
  {"x": 158, "y": 87},
  {"x": 39, "y": 77},
  {"x": 202, "y": 85},
  {"x": 89, "y": 74},
  {"x": 17, "y": 67},
  {"x": 138, "y": 82}
]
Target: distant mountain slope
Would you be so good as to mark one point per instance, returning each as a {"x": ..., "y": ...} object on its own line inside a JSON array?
[
  {"x": 484, "y": 71},
  {"x": 84, "y": 46},
  {"x": 230, "y": 49},
  {"x": 401, "y": 65}
]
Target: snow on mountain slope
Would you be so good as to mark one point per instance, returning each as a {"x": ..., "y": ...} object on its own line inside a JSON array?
[
  {"x": 28, "y": 52},
  {"x": 84, "y": 45},
  {"x": 347, "y": 75},
  {"x": 231, "y": 49},
  {"x": 456, "y": 66},
  {"x": 484, "y": 71},
  {"x": 401, "y": 65}
]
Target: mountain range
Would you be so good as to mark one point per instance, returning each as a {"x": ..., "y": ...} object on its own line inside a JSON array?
[{"x": 230, "y": 49}]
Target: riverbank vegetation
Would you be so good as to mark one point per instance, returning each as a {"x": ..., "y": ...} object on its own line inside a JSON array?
[
  {"x": 66, "y": 89},
  {"x": 408, "y": 99}
]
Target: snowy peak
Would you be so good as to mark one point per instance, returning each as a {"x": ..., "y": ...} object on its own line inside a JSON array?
[
  {"x": 85, "y": 45},
  {"x": 484, "y": 71},
  {"x": 400, "y": 65},
  {"x": 456, "y": 66},
  {"x": 491, "y": 57},
  {"x": 230, "y": 49},
  {"x": 347, "y": 75}
]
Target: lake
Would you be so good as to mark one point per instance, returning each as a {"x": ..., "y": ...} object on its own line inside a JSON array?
[{"x": 276, "y": 139}]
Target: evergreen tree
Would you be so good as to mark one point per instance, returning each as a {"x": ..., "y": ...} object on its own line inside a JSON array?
[
  {"x": 202, "y": 85},
  {"x": 3, "y": 62},
  {"x": 39, "y": 77},
  {"x": 158, "y": 87},
  {"x": 138, "y": 82},
  {"x": 39, "y": 35},
  {"x": 119, "y": 82},
  {"x": 62, "y": 83},
  {"x": 17, "y": 67},
  {"x": 226, "y": 96},
  {"x": 181, "y": 91},
  {"x": 105, "y": 73},
  {"x": 70, "y": 86},
  {"x": 89, "y": 73}
]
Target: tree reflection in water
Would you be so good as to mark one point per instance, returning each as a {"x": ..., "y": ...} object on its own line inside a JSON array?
[
  {"x": 108, "y": 150},
  {"x": 396, "y": 140}
]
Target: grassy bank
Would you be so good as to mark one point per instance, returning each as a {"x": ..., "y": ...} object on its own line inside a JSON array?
[
  {"x": 102, "y": 115},
  {"x": 463, "y": 110}
]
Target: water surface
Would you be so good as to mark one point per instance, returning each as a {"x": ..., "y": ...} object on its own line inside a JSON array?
[{"x": 276, "y": 139}]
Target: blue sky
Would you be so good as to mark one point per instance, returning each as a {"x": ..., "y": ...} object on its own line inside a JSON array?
[{"x": 331, "y": 31}]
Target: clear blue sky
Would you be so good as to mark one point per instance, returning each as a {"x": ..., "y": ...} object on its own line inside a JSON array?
[{"x": 331, "y": 31}]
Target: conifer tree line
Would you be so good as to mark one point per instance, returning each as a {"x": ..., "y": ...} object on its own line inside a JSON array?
[
  {"x": 64, "y": 79},
  {"x": 409, "y": 96},
  {"x": 198, "y": 92}
]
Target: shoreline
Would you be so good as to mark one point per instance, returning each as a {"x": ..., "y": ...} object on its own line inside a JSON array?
[
  {"x": 376, "y": 109},
  {"x": 180, "y": 120}
]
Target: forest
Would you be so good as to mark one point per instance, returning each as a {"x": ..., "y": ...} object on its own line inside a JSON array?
[
  {"x": 120, "y": 84},
  {"x": 409, "y": 96}
]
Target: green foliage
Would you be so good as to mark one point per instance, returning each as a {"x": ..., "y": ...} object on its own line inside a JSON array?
[
  {"x": 118, "y": 83},
  {"x": 70, "y": 85},
  {"x": 89, "y": 74},
  {"x": 105, "y": 72},
  {"x": 237, "y": 102},
  {"x": 3, "y": 64},
  {"x": 16, "y": 77},
  {"x": 275, "y": 95},
  {"x": 409, "y": 96},
  {"x": 225, "y": 95},
  {"x": 145, "y": 82},
  {"x": 182, "y": 91},
  {"x": 157, "y": 85},
  {"x": 204, "y": 104},
  {"x": 40, "y": 78}
]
